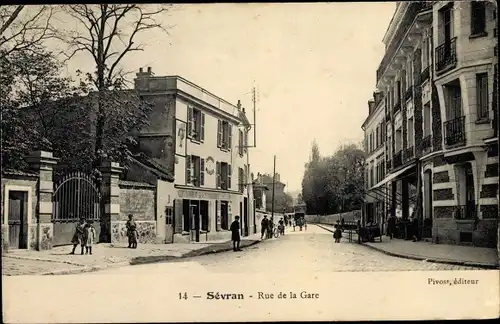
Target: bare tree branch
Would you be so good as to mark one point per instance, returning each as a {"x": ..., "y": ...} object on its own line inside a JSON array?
[{"x": 12, "y": 17}]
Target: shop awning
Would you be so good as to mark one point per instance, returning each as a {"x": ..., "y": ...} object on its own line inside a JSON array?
[{"x": 392, "y": 176}]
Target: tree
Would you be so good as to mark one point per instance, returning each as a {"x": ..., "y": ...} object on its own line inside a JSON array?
[
  {"x": 24, "y": 29},
  {"x": 109, "y": 34},
  {"x": 36, "y": 113}
]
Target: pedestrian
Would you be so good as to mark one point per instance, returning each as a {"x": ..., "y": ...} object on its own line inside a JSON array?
[
  {"x": 391, "y": 226},
  {"x": 131, "y": 232},
  {"x": 304, "y": 222},
  {"x": 90, "y": 236},
  {"x": 342, "y": 223},
  {"x": 235, "y": 233},
  {"x": 78, "y": 235},
  {"x": 281, "y": 226},
  {"x": 414, "y": 223},
  {"x": 337, "y": 233},
  {"x": 263, "y": 227},
  {"x": 270, "y": 228}
]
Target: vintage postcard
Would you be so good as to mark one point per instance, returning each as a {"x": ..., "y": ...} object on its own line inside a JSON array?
[{"x": 227, "y": 162}]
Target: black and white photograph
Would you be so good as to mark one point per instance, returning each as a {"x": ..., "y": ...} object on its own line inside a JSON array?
[{"x": 215, "y": 162}]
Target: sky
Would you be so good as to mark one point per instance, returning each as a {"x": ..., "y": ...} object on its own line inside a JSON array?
[{"x": 314, "y": 66}]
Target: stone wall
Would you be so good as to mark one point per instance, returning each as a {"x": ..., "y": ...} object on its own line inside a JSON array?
[
  {"x": 447, "y": 231},
  {"x": 138, "y": 199},
  {"x": 332, "y": 219}
]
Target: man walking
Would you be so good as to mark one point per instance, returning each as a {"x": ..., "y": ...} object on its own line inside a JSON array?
[
  {"x": 391, "y": 226},
  {"x": 263, "y": 227},
  {"x": 235, "y": 233}
]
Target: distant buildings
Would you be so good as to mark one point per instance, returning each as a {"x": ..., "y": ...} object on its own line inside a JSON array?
[{"x": 436, "y": 110}]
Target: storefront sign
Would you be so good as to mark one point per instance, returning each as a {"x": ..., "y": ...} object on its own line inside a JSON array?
[{"x": 198, "y": 194}]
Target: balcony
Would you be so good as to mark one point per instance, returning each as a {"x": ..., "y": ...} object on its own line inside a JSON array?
[
  {"x": 426, "y": 144},
  {"x": 463, "y": 212},
  {"x": 409, "y": 93},
  {"x": 409, "y": 153},
  {"x": 397, "y": 107},
  {"x": 446, "y": 55},
  {"x": 425, "y": 75},
  {"x": 454, "y": 131},
  {"x": 398, "y": 159},
  {"x": 407, "y": 26}
]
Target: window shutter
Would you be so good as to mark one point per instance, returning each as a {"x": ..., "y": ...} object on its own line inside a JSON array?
[
  {"x": 218, "y": 213},
  {"x": 219, "y": 133},
  {"x": 245, "y": 142},
  {"x": 229, "y": 171},
  {"x": 188, "y": 169},
  {"x": 178, "y": 216},
  {"x": 217, "y": 174},
  {"x": 190, "y": 122},
  {"x": 240, "y": 142},
  {"x": 202, "y": 127},
  {"x": 202, "y": 172},
  {"x": 229, "y": 136}
]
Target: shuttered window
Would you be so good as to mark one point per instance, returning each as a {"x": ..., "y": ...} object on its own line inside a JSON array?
[
  {"x": 218, "y": 175},
  {"x": 202, "y": 172},
  {"x": 482, "y": 95},
  {"x": 188, "y": 169}
]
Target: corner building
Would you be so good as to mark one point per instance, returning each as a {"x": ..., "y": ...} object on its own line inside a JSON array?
[
  {"x": 438, "y": 77},
  {"x": 204, "y": 140}
]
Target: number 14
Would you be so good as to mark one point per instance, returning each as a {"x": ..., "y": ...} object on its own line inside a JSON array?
[{"x": 183, "y": 296}]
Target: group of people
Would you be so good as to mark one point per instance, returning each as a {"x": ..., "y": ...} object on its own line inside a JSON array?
[
  {"x": 267, "y": 227},
  {"x": 85, "y": 235}
]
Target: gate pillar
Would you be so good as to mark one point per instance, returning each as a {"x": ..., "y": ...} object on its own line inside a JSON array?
[
  {"x": 110, "y": 201},
  {"x": 42, "y": 163}
]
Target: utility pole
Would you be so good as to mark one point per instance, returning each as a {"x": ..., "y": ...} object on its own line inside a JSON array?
[
  {"x": 254, "y": 99},
  {"x": 274, "y": 177}
]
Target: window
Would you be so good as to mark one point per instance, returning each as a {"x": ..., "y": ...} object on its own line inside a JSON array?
[
  {"x": 241, "y": 179},
  {"x": 241, "y": 142},
  {"x": 478, "y": 17},
  {"x": 482, "y": 95},
  {"x": 376, "y": 137},
  {"x": 195, "y": 170},
  {"x": 403, "y": 81},
  {"x": 224, "y": 135},
  {"x": 196, "y": 125},
  {"x": 245, "y": 141},
  {"x": 223, "y": 174},
  {"x": 409, "y": 72},
  {"x": 169, "y": 215}
]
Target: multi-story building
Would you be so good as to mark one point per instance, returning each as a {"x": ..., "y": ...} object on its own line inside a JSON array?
[
  {"x": 203, "y": 140},
  {"x": 374, "y": 128},
  {"x": 438, "y": 76},
  {"x": 279, "y": 191}
]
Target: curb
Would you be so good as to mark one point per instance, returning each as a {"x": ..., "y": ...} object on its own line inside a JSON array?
[
  {"x": 134, "y": 261},
  {"x": 419, "y": 258}
]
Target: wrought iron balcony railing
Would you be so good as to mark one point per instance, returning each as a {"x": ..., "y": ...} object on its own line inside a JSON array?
[
  {"x": 409, "y": 153},
  {"x": 454, "y": 131},
  {"x": 425, "y": 75},
  {"x": 426, "y": 144},
  {"x": 446, "y": 55},
  {"x": 409, "y": 93},
  {"x": 398, "y": 159},
  {"x": 467, "y": 211},
  {"x": 396, "y": 107}
]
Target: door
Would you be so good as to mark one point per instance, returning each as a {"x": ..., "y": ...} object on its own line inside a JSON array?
[
  {"x": 470, "y": 207},
  {"x": 241, "y": 216},
  {"x": 169, "y": 224},
  {"x": 18, "y": 219},
  {"x": 195, "y": 222},
  {"x": 447, "y": 31},
  {"x": 245, "y": 216},
  {"x": 427, "y": 228}
]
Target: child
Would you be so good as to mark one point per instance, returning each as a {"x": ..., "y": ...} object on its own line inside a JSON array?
[
  {"x": 89, "y": 237},
  {"x": 337, "y": 234},
  {"x": 78, "y": 235}
]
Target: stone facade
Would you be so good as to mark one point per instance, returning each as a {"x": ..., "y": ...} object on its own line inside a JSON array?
[{"x": 146, "y": 231}]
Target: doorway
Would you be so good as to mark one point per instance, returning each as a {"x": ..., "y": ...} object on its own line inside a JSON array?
[
  {"x": 427, "y": 226},
  {"x": 169, "y": 224},
  {"x": 194, "y": 217},
  {"x": 241, "y": 214},
  {"x": 245, "y": 216},
  {"x": 470, "y": 201},
  {"x": 18, "y": 219}
]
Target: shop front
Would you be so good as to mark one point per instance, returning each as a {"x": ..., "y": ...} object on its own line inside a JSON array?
[{"x": 202, "y": 215}]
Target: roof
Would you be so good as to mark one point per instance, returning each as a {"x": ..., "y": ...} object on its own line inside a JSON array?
[{"x": 154, "y": 167}]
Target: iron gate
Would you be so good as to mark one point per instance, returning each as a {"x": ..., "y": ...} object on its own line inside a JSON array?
[{"x": 76, "y": 195}]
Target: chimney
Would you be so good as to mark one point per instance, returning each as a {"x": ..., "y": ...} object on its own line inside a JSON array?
[
  {"x": 371, "y": 105},
  {"x": 140, "y": 70},
  {"x": 239, "y": 105},
  {"x": 149, "y": 69}
]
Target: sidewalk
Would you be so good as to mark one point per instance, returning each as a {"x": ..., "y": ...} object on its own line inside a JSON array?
[
  {"x": 58, "y": 261},
  {"x": 440, "y": 253}
]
